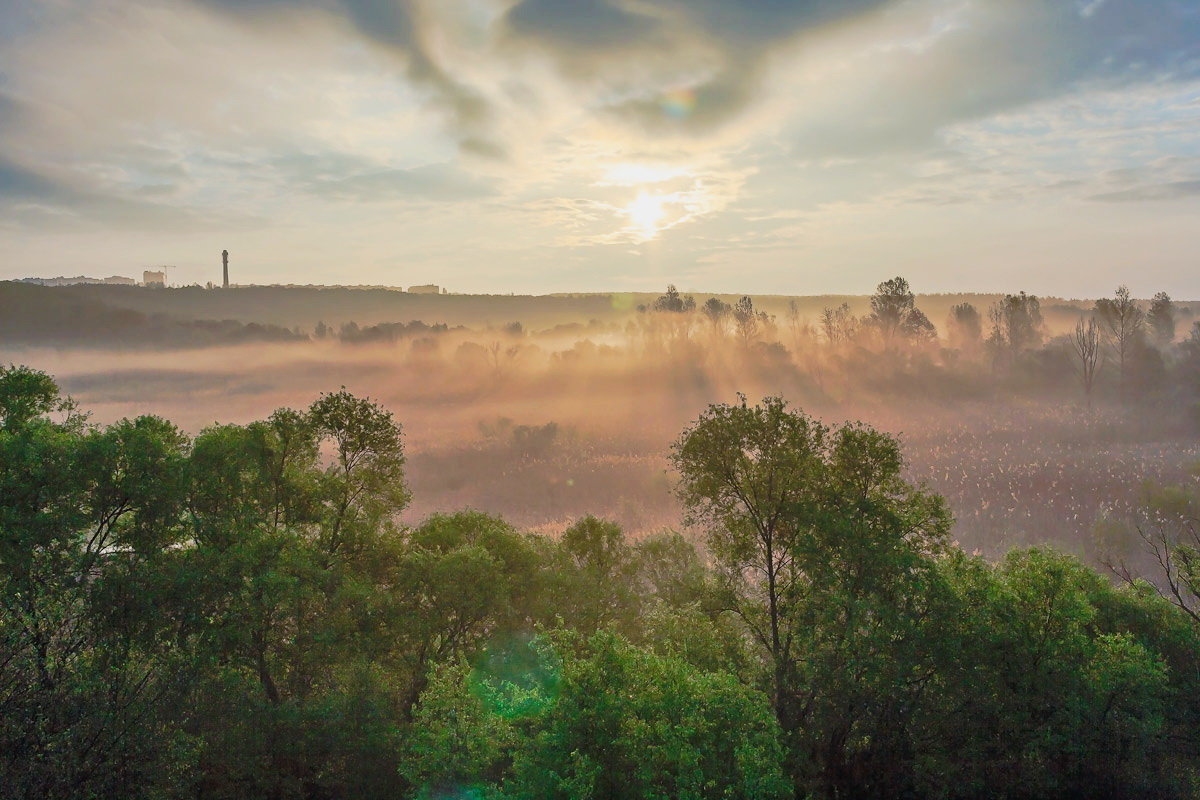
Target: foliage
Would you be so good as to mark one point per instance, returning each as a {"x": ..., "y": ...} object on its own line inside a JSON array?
[
  {"x": 242, "y": 615},
  {"x": 1161, "y": 318},
  {"x": 1017, "y": 325},
  {"x": 965, "y": 327},
  {"x": 895, "y": 315},
  {"x": 673, "y": 302},
  {"x": 636, "y": 725}
]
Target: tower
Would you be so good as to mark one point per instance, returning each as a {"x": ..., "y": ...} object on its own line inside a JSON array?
[{"x": 225, "y": 266}]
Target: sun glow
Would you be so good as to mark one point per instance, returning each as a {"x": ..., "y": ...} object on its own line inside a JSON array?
[{"x": 647, "y": 213}]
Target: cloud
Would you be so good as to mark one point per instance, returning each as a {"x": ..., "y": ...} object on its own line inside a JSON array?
[
  {"x": 983, "y": 58},
  {"x": 338, "y": 116},
  {"x": 1161, "y": 191},
  {"x": 436, "y": 182},
  {"x": 19, "y": 183},
  {"x": 736, "y": 25},
  {"x": 591, "y": 25},
  {"x": 392, "y": 24},
  {"x": 30, "y": 196},
  {"x": 677, "y": 65}
]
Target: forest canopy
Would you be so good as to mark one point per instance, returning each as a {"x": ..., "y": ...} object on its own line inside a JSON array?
[{"x": 239, "y": 614}]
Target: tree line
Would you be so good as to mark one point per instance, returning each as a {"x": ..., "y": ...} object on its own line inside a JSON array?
[
  {"x": 1119, "y": 344},
  {"x": 240, "y": 615}
]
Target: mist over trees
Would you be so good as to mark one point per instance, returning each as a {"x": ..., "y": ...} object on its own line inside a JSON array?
[
  {"x": 238, "y": 614},
  {"x": 1161, "y": 318},
  {"x": 988, "y": 425},
  {"x": 894, "y": 313},
  {"x": 255, "y": 610},
  {"x": 1088, "y": 354}
]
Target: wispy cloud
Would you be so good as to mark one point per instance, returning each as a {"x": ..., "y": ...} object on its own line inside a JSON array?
[{"x": 532, "y": 129}]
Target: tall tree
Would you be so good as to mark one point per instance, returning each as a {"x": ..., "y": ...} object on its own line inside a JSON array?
[
  {"x": 965, "y": 327},
  {"x": 825, "y": 555},
  {"x": 1123, "y": 324},
  {"x": 838, "y": 324},
  {"x": 716, "y": 311},
  {"x": 745, "y": 473},
  {"x": 749, "y": 321},
  {"x": 1161, "y": 318},
  {"x": 364, "y": 485},
  {"x": 1016, "y": 325},
  {"x": 1088, "y": 357},
  {"x": 674, "y": 302},
  {"x": 89, "y": 518},
  {"x": 894, "y": 312}
]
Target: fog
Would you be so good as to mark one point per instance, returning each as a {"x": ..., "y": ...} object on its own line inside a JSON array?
[{"x": 544, "y": 426}]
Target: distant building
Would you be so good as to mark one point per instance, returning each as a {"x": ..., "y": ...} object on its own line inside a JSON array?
[
  {"x": 114, "y": 280},
  {"x": 154, "y": 278},
  {"x": 427, "y": 289}
]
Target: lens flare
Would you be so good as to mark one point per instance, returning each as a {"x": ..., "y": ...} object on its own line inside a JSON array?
[
  {"x": 678, "y": 103},
  {"x": 516, "y": 676}
]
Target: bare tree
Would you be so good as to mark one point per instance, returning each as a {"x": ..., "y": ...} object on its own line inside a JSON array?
[
  {"x": 501, "y": 356},
  {"x": 494, "y": 350},
  {"x": 1123, "y": 324},
  {"x": 804, "y": 343},
  {"x": 1089, "y": 356},
  {"x": 749, "y": 322},
  {"x": 838, "y": 324},
  {"x": 1177, "y": 560},
  {"x": 795, "y": 322}
]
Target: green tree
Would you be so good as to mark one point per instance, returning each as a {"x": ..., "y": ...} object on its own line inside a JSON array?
[
  {"x": 826, "y": 556},
  {"x": 1016, "y": 326},
  {"x": 597, "y": 578},
  {"x": 1161, "y": 319},
  {"x": 965, "y": 327},
  {"x": 1043, "y": 690},
  {"x": 749, "y": 322},
  {"x": 88, "y": 676},
  {"x": 674, "y": 302},
  {"x": 364, "y": 486},
  {"x": 895, "y": 315},
  {"x": 716, "y": 311},
  {"x": 632, "y": 724},
  {"x": 288, "y": 557},
  {"x": 457, "y": 746},
  {"x": 461, "y": 580}
]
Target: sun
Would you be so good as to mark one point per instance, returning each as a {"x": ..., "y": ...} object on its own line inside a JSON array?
[{"x": 646, "y": 214}]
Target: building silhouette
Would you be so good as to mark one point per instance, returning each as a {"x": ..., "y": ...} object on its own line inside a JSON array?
[{"x": 114, "y": 280}]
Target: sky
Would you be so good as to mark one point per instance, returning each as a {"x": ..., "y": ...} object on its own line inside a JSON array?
[{"x": 535, "y": 146}]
